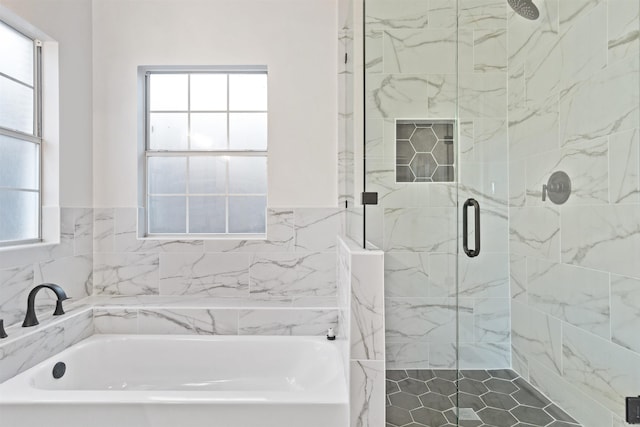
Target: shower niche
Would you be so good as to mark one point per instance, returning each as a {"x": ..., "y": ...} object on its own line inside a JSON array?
[{"x": 425, "y": 150}]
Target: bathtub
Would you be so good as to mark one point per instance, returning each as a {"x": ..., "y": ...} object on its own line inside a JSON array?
[{"x": 183, "y": 381}]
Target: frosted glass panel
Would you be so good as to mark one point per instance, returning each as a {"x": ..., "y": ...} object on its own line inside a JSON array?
[
  {"x": 16, "y": 106},
  {"x": 207, "y": 175},
  {"x": 167, "y": 175},
  {"x": 167, "y": 214},
  {"x": 247, "y": 214},
  {"x": 169, "y": 92},
  {"x": 207, "y": 214},
  {"x": 209, "y": 92},
  {"x": 168, "y": 131},
  {"x": 16, "y": 55},
  {"x": 19, "y": 163},
  {"x": 248, "y": 92},
  {"x": 247, "y": 175},
  {"x": 208, "y": 131},
  {"x": 248, "y": 131},
  {"x": 20, "y": 215}
]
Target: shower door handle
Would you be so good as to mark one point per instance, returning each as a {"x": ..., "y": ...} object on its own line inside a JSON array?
[{"x": 465, "y": 235}]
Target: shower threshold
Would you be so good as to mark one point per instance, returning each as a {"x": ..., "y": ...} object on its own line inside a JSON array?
[{"x": 493, "y": 398}]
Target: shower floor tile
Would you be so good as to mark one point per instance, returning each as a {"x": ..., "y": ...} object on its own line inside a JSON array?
[{"x": 494, "y": 398}]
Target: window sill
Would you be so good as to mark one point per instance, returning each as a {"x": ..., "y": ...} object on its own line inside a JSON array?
[{"x": 184, "y": 237}]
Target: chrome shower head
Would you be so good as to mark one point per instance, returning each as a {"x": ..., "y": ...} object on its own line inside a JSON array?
[{"x": 525, "y": 8}]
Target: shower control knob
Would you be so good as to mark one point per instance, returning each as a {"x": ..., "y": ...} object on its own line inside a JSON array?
[{"x": 558, "y": 188}]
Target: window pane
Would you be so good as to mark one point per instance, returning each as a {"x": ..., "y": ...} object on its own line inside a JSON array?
[
  {"x": 169, "y": 92},
  {"x": 209, "y": 131},
  {"x": 248, "y": 131},
  {"x": 20, "y": 215},
  {"x": 247, "y": 214},
  {"x": 16, "y": 55},
  {"x": 207, "y": 214},
  {"x": 167, "y": 214},
  {"x": 19, "y": 163},
  {"x": 248, "y": 92},
  {"x": 208, "y": 92},
  {"x": 168, "y": 131},
  {"x": 207, "y": 175},
  {"x": 16, "y": 106},
  {"x": 167, "y": 175},
  {"x": 248, "y": 175}
]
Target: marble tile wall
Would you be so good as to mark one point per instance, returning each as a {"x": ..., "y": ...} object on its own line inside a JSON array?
[
  {"x": 297, "y": 260},
  {"x": 573, "y": 105},
  {"x": 361, "y": 290},
  {"x": 68, "y": 263},
  {"x": 416, "y": 223}
]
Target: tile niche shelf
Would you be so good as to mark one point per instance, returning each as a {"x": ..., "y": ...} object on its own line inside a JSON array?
[{"x": 425, "y": 151}]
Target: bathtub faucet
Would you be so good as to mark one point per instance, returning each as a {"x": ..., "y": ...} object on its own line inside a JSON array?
[{"x": 31, "y": 319}]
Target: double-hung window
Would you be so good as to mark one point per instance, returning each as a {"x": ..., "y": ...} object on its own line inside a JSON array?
[
  {"x": 206, "y": 152},
  {"x": 20, "y": 137}
]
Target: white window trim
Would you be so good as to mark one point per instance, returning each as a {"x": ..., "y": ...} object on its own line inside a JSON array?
[
  {"x": 144, "y": 153},
  {"x": 48, "y": 111}
]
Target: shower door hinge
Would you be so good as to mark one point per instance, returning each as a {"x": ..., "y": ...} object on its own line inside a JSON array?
[
  {"x": 369, "y": 198},
  {"x": 345, "y": 57}
]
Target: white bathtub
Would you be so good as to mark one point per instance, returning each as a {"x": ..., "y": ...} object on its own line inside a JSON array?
[{"x": 183, "y": 381}]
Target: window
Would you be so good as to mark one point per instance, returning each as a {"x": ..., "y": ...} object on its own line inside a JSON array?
[
  {"x": 20, "y": 137},
  {"x": 206, "y": 152}
]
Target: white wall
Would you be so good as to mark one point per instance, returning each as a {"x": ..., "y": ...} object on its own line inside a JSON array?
[
  {"x": 295, "y": 39},
  {"x": 69, "y": 23}
]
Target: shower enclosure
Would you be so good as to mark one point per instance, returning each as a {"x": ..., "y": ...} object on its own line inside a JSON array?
[{"x": 502, "y": 140}]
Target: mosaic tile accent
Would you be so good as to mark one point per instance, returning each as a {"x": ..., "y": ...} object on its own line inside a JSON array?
[
  {"x": 494, "y": 398},
  {"x": 425, "y": 151}
]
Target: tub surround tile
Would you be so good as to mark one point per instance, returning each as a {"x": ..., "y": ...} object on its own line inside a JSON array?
[
  {"x": 20, "y": 355},
  {"x": 188, "y": 321},
  {"x": 115, "y": 321},
  {"x": 316, "y": 228},
  {"x": 211, "y": 274},
  {"x": 74, "y": 274},
  {"x": 286, "y": 322},
  {"x": 104, "y": 230},
  {"x": 14, "y": 283},
  {"x": 126, "y": 274},
  {"x": 367, "y": 393},
  {"x": 78, "y": 329}
]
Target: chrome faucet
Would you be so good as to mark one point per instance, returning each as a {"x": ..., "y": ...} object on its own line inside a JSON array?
[{"x": 31, "y": 319}]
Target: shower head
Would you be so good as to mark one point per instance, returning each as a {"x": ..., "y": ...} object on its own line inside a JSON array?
[{"x": 525, "y": 8}]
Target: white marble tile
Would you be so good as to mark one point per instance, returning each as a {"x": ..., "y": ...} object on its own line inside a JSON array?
[
  {"x": 421, "y": 51},
  {"x": 587, "y": 411},
  {"x": 367, "y": 306},
  {"x": 443, "y": 273},
  {"x": 519, "y": 366},
  {"x": 385, "y": 14},
  {"x": 482, "y": 95},
  {"x": 78, "y": 328},
  {"x": 622, "y": 29},
  {"x": 104, "y": 230},
  {"x": 624, "y": 167},
  {"x": 533, "y": 130},
  {"x": 604, "y": 237},
  {"x": 491, "y": 320},
  {"x": 420, "y": 229},
  {"x": 15, "y": 281},
  {"x": 485, "y": 276},
  {"x": 573, "y": 294},
  {"x": 286, "y": 322},
  {"x": 74, "y": 274},
  {"x": 421, "y": 319},
  {"x": 480, "y": 14},
  {"x": 535, "y": 231},
  {"x": 443, "y": 355},
  {"x": 517, "y": 183},
  {"x": 586, "y": 163},
  {"x": 518, "y": 278},
  {"x": 316, "y": 228},
  {"x": 65, "y": 246},
  {"x": 395, "y": 95},
  {"x": 374, "y": 59},
  {"x": 115, "y": 320},
  {"x": 126, "y": 274},
  {"x": 188, "y": 321},
  {"x": 406, "y": 274},
  {"x": 617, "y": 93},
  {"x": 490, "y": 50},
  {"x": 407, "y": 355},
  {"x": 288, "y": 275},
  {"x": 442, "y": 14},
  {"x": 19, "y": 355},
  {"x": 600, "y": 368},
  {"x": 83, "y": 232},
  {"x": 367, "y": 393},
  {"x": 210, "y": 274},
  {"x": 625, "y": 311},
  {"x": 442, "y": 92},
  {"x": 484, "y": 356}
]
